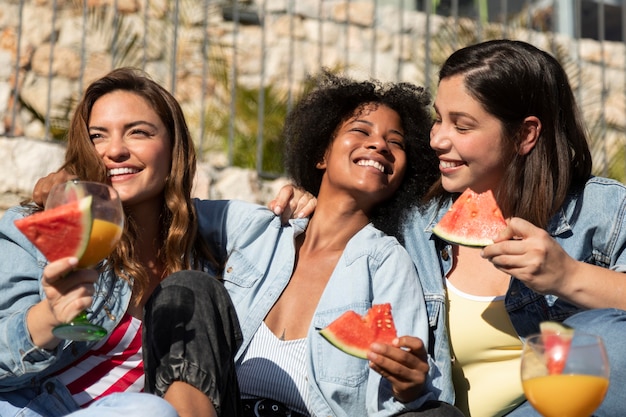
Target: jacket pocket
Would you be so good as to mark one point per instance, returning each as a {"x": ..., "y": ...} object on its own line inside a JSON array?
[
  {"x": 240, "y": 271},
  {"x": 330, "y": 363}
]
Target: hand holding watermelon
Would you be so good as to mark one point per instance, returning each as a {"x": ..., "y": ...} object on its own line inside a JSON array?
[{"x": 401, "y": 360}]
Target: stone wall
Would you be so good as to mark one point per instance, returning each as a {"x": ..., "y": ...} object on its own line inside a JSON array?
[
  {"x": 362, "y": 40},
  {"x": 26, "y": 160}
]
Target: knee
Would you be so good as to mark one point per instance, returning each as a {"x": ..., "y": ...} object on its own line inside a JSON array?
[
  {"x": 132, "y": 404},
  {"x": 599, "y": 321},
  {"x": 194, "y": 280}
]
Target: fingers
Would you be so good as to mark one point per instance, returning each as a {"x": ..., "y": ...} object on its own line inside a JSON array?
[
  {"x": 292, "y": 202},
  {"x": 305, "y": 205},
  {"x": 404, "y": 364},
  {"x": 68, "y": 291},
  {"x": 43, "y": 185},
  {"x": 281, "y": 201}
]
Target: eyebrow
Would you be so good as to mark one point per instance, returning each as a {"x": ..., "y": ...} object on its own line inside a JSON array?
[
  {"x": 457, "y": 114},
  {"x": 126, "y": 126}
]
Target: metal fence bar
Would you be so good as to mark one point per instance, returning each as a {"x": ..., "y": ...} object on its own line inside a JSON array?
[
  {"x": 50, "y": 70},
  {"x": 342, "y": 19},
  {"x": 18, "y": 58}
]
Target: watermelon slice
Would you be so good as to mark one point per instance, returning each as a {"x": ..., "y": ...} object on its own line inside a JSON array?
[
  {"x": 473, "y": 220},
  {"x": 354, "y": 334},
  {"x": 61, "y": 231},
  {"x": 557, "y": 339}
]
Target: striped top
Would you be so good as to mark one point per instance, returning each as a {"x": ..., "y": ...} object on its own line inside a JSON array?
[
  {"x": 275, "y": 369},
  {"x": 113, "y": 365}
]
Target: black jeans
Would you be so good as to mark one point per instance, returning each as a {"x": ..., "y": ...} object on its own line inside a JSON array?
[
  {"x": 191, "y": 334},
  {"x": 435, "y": 409}
]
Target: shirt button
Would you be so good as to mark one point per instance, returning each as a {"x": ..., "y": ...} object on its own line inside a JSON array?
[{"x": 444, "y": 254}]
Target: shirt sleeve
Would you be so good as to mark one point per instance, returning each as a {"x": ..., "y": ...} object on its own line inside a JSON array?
[{"x": 21, "y": 268}]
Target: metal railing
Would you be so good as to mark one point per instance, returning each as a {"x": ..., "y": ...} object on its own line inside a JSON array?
[{"x": 418, "y": 35}]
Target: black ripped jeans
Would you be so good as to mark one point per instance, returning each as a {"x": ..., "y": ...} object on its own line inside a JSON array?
[{"x": 191, "y": 334}]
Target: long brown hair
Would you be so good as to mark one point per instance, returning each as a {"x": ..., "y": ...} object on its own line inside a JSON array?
[
  {"x": 181, "y": 248},
  {"x": 513, "y": 80}
]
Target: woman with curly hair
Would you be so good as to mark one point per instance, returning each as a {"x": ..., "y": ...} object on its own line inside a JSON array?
[
  {"x": 361, "y": 148},
  {"x": 129, "y": 132}
]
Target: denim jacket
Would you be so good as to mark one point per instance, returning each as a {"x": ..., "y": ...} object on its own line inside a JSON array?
[
  {"x": 373, "y": 269},
  {"x": 24, "y": 368},
  {"x": 590, "y": 226}
]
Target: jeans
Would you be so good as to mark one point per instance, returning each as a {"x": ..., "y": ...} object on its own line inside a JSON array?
[
  {"x": 128, "y": 404},
  {"x": 191, "y": 333},
  {"x": 610, "y": 324},
  {"x": 434, "y": 409}
]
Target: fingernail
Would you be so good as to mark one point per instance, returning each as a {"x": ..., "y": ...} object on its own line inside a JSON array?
[
  {"x": 72, "y": 261},
  {"x": 277, "y": 210}
]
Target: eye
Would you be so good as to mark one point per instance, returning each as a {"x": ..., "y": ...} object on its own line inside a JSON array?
[
  {"x": 139, "y": 132},
  {"x": 96, "y": 137},
  {"x": 360, "y": 130},
  {"x": 398, "y": 143}
]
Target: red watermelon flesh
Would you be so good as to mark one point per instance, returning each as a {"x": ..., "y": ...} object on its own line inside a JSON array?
[
  {"x": 557, "y": 340},
  {"x": 353, "y": 333},
  {"x": 61, "y": 231},
  {"x": 474, "y": 219}
]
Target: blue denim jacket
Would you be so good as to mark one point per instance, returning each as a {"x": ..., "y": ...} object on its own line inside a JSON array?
[
  {"x": 373, "y": 269},
  {"x": 591, "y": 227},
  {"x": 25, "y": 369}
]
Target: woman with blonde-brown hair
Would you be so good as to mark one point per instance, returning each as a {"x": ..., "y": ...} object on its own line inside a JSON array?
[{"x": 129, "y": 132}]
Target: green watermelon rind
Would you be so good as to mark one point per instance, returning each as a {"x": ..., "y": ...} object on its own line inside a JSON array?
[
  {"x": 450, "y": 238},
  {"x": 84, "y": 205},
  {"x": 354, "y": 351}
]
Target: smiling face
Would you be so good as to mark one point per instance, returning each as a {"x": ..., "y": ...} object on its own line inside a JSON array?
[
  {"x": 134, "y": 144},
  {"x": 366, "y": 159},
  {"x": 467, "y": 139}
]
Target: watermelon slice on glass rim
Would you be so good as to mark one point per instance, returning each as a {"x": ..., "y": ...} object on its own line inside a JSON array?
[
  {"x": 61, "y": 231},
  {"x": 557, "y": 339},
  {"x": 474, "y": 219},
  {"x": 353, "y": 333}
]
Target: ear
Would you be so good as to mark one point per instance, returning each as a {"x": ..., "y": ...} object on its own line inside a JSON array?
[
  {"x": 530, "y": 134},
  {"x": 321, "y": 164}
]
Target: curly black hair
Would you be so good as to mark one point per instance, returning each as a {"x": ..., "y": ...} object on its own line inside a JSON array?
[{"x": 311, "y": 126}]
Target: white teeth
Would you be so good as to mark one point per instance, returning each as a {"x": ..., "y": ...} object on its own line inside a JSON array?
[
  {"x": 370, "y": 163},
  {"x": 445, "y": 164},
  {"x": 121, "y": 171}
]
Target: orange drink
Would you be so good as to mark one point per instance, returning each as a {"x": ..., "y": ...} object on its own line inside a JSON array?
[
  {"x": 104, "y": 235},
  {"x": 566, "y": 395}
]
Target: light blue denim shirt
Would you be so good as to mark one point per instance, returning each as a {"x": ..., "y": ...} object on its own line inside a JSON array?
[
  {"x": 25, "y": 369},
  {"x": 591, "y": 227},
  {"x": 373, "y": 269}
]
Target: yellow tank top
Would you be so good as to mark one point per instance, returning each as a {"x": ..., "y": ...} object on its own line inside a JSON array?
[{"x": 486, "y": 351}]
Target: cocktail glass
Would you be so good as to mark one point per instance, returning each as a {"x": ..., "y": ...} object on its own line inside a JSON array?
[
  {"x": 106, "y": 230},
  {"x": 578, "y": 389}
]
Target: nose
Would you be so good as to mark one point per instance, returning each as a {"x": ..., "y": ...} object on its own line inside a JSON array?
[
  {"x": 115, "y": 148},
  {"x": 439, "y": 137},
  {"x": 378, "y": 143}
]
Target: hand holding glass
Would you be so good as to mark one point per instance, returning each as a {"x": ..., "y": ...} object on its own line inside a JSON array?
[
  {"x": 106, "y": 230},
  {"x": 579, "y": 389}
]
